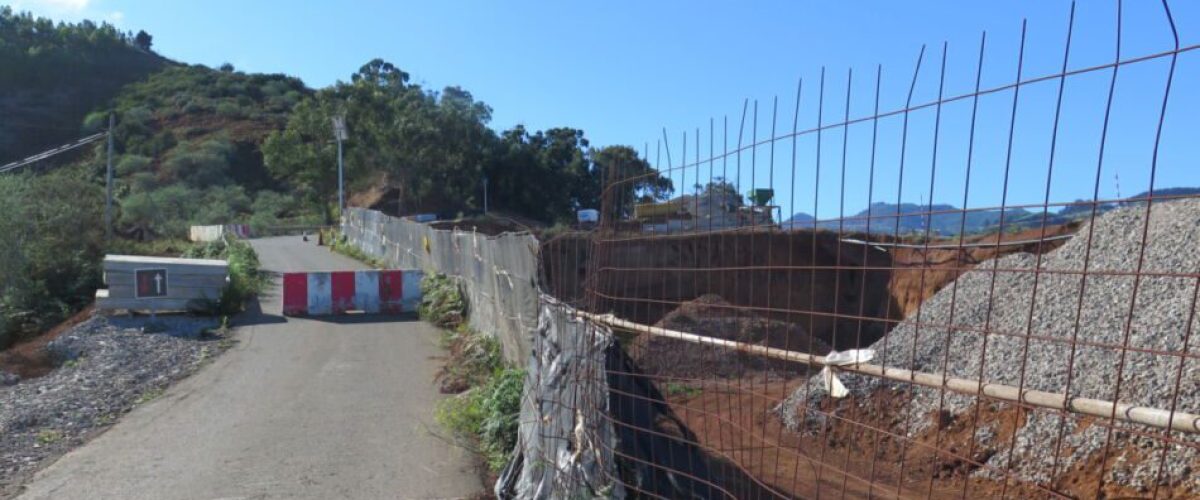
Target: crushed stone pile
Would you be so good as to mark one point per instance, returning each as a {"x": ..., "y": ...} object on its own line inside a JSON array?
[
  {"x": 711, "y": 316},
  {"x": 1033, "y": 320},
  {"x": 109, "y": 365}
]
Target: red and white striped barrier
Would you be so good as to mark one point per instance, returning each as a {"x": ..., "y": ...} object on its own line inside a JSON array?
[{"x": 373, "y": 291}]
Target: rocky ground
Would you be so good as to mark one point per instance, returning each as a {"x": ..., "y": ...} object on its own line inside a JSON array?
[
  {"x": 711, "y": 316},
  {"x": 108, "y": 365},
  {"x": 1063, "y": 331}
]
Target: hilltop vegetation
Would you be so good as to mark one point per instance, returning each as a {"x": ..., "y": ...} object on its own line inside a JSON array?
[
  {"x": 191, "y": 133},
  {"x": 55, "y": 73},
  {"x": 423, "y": 151}
]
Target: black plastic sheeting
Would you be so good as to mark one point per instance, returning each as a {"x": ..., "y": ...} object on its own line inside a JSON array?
[
  {"x": 592, "y": 426},
  {"x": 565, "y": 440},
  {"x": 655, "y": 451}
]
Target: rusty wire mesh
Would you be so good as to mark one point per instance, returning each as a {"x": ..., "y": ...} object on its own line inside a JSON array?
[{"x": 1033, "y": 275}]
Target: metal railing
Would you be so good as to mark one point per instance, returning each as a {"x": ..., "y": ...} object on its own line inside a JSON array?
[{"x": 1057, "y": 360}]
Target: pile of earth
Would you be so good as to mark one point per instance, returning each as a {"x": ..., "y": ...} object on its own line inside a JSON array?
[
  {"x": 1060, "y": 330},
  {"x": 711, "y": 316}
]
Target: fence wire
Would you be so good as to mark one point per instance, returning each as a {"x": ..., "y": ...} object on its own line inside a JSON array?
[{"x": 998, "y": 322}]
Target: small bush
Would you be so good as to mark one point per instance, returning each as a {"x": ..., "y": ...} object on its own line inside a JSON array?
[
  {"x": 441, "y": 301},
  {"x": 484, "y": 414},
  {"x": 475, "y": 359},
  {"x": 230, "y": 109},
  {"x": 487, "y": 414},
  {"x": 340, "y": 244},
  {"x": 245, "y": 281}
]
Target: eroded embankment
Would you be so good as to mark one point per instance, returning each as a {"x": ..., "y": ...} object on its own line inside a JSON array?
[{"x": 846, "y": 294}]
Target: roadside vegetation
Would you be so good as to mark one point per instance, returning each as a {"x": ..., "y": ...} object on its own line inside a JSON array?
[
  {"x": 338, "y": 243},
  {"x": 483, "y": 413},
  {"x": 50, "y": 250},
  {"x": 245, "y": 279}
]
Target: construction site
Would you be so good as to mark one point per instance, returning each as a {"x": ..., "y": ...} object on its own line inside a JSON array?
[
  {"x": 1047, "y": 353},
  {"x": 974, "y": 273}
]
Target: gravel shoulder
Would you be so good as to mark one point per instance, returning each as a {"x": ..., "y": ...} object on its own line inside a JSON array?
[{"x": 109, "y": 365}]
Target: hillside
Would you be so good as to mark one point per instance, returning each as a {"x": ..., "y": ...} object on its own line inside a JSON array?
[
  {"x": 186, "y": 150},
  {"x": 53, "y": 74},
  {"x": 194, "y": 133},
  {"x": 200, "y": 145}
]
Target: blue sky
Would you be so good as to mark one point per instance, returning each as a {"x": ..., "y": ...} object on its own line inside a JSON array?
[{"x": 623, "y": 71}]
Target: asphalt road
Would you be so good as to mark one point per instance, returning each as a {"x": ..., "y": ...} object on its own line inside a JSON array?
[{"x": 299, "y": 408}]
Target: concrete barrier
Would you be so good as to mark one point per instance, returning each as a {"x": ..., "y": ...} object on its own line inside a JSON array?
[
  {"x": 338, "y": 292},
  {"x": 160, "y": 283},
  {"x": 214, "y": 233}
]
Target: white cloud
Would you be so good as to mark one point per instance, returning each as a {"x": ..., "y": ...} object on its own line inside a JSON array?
[
  {"x": 116, "y": 16},
  {"x": 74, "y": 6}
]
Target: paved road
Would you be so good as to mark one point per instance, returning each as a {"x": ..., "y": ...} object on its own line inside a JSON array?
[{"x": 300, "y": 408}]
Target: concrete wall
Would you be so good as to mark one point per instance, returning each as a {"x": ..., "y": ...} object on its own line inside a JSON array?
[{"x": 498, "y": 273}]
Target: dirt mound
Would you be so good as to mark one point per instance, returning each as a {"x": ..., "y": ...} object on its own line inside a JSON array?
[
  {"x": 1033, "y": 321},
  {"x": 30, "y": 359},
  {"x": 711, "y": 316}
]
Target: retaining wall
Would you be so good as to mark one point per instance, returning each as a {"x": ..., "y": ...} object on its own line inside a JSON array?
[{"x": 498, "y": 273}]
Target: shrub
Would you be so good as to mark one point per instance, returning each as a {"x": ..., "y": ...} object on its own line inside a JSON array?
[
  {"x": 488, "y": 414},
  {"x": 230, "y": 109},
  {"x": 338, "y": 243},
  {"x": 201, "y": 165},
  {"x": 132, "y": 164},
  {"x": 245, "y": 280},
  {"x": 441, "y": 301},
  {"x": 485, "y": 413},
  {"x": 50, "y": 253}
]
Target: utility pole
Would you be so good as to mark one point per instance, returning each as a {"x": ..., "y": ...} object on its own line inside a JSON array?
[
  {"x": 339, "y": 133},
  {"x": 108, "y": 181}
]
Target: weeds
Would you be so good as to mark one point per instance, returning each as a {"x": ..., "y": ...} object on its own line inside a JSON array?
[
  {"x": 338, "y": 243},
  {"x": 474, "y": 358},
  {"x": 441, "y": 301},
  {"x": 484, "y": 413},
  {"x": 677, "y": 389},
  {"x": 49, "y": 436},
  {"x": 245, "y": 280},
  {"x": 487, "y": 414},
  {"x": 148, "y": 396}
]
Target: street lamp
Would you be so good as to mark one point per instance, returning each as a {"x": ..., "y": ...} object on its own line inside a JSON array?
[{"x": 339, "y": 133}]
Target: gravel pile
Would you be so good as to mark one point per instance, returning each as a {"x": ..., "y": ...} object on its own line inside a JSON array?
[
  {"x": 109, "y": 365},
  {"x": 1050, "y": 306}
]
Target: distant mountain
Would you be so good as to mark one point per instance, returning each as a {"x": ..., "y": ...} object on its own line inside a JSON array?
[
  {"x": 946, "y": 220},
  {"x": 1176, "y": 191},
  {"x": 882, "y": 218}
]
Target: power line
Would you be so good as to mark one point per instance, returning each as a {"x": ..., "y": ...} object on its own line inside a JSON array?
[{"x": 53, "y": 152}]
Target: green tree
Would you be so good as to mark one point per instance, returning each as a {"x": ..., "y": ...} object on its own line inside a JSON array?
[
  {"x": 143, "y": 40},
  {"x": 631, "y": 178}
]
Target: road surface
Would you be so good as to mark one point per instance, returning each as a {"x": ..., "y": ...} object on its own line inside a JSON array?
[{"x": 299, "y": 408}]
